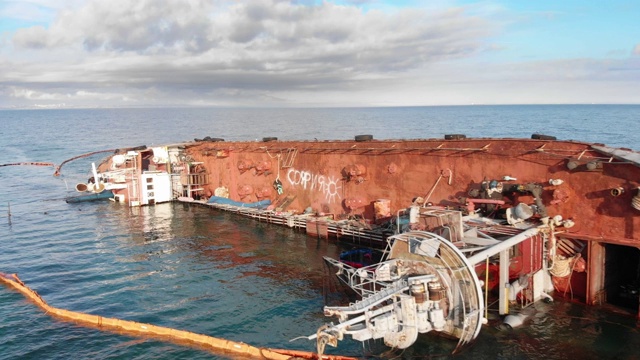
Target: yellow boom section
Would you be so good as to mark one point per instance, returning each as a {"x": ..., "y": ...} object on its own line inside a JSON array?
[{"x": 180, "y": 337}]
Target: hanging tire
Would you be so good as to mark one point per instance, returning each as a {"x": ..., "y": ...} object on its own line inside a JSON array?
[
  {"x": 364, "y": 137},
  {"x": 267, "y": 139},
  {"x": 455, "y": 136},
  {"x": 543, "y": 137}
]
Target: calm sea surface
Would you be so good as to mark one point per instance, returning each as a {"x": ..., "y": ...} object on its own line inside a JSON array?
[{"x": 210, "y": 272}]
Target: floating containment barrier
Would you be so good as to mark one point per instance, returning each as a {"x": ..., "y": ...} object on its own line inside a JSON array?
[{"x": 222, "y": 346}]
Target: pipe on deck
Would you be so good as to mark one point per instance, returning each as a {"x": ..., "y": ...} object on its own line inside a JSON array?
[
  {"x": 503, "y": 249},
  {"x": 503, "y": 245}
]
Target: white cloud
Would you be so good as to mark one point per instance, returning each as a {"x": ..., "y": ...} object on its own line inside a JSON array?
[
  {"x": 251, "y": 47},
  {"x": 266, "y": 52},
  {"x": 122, "y": 25},
  {"x": 32, "y": 94}
]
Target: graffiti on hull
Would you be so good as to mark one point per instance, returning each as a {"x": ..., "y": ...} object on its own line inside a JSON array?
[{"x": 329, "y": 186}]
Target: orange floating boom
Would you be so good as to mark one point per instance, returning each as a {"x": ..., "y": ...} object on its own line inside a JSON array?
[
  {"x": 177, "y": 336},
  {"x": 59, "y": 167},
  {"x": 31, "y": 163}
]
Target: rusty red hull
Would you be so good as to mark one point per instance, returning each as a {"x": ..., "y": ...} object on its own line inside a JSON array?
[
  {"x": 348, "y": 177},
  {"x": 593, "y": 186}
]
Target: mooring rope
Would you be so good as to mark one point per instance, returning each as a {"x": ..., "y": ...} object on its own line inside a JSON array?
[
  {"x": 563, "y": 266},
  {"x": 164, "y": 333}
]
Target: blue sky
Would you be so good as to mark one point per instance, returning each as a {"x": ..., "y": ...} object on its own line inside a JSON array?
[
  {"x": 119, "y": 53},
  {"x": 570, "y": 29}
]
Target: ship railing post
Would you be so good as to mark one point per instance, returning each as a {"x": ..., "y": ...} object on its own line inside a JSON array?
[
  {"x": 503, "y": 304},
  {"x": 486, "y": 289}
]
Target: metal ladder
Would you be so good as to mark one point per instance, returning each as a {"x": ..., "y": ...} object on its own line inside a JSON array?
[
  {"x": 374, "y": 299},
  {"x": 289, "y": 158}
]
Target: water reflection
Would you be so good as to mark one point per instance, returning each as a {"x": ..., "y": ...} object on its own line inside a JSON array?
[{"x": 279, "y": 275}]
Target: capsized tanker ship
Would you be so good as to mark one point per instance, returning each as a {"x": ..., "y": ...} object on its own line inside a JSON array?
[{"x": 461, "y": 218}]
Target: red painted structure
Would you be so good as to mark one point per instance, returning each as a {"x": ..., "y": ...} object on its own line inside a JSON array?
[{"x": 593, "y": 186}]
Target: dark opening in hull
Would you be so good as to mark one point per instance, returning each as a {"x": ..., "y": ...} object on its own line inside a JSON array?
[{"x": 622, "y": 276}]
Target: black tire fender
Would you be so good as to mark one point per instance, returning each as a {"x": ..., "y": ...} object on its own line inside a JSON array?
[
  {"x": 543, "y": 137},
  {"x": 210, "y": 139},
  {"x": 455, "y": 136},
  {"x": 364, "y": 137}
]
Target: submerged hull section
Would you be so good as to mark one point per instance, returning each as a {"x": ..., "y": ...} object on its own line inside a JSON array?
[
  {"x": 584, "y": 199},
  {"x": 104, "y": 195}
]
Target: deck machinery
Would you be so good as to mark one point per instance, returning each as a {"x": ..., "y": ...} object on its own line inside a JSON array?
[{"x": 428, "y": 280}]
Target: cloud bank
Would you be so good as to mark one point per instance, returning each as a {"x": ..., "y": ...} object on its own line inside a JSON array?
[{"x": 265, "y": 53}]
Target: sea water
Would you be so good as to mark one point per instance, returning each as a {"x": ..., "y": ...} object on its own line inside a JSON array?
[{"x": 215, "y": 273}]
